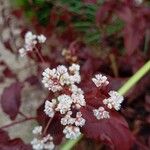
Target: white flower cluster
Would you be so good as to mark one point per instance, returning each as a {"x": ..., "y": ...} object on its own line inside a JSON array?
[
  {"x": 100, "y": 80},
  {"x": 101, "y": 113},
  {"x": 114, "y": 101},
  {"x": 55, "y": 80},
  {"x": 49, "y": 107},
  {"x": 30, "y": 41},
  {"x": 72, "y": 130},
  {"x": 42, "y": 143}
]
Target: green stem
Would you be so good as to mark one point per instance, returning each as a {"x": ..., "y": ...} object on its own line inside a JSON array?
[
  {"x": 134, "y": 79},
  {"x": 123, "y": 90},
  {"x": 71, "y": 143}
]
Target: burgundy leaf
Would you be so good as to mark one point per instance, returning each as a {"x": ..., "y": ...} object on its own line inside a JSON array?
[
  {"x": 134, "y": 29},
  {"x": 105, "y": 11},
  {"x": 3, "y": 136},
  {"x": 8, "y": 45},
  {"x": 33, "y": 80},
  {"x": 15, "y": 144},
  {"x": 116, "y": 83},
  {"x": 113, "y": 131},
  {"x": 10, "y": 99},
  {"x": 8, "y": 73},
  {"x": 56, "y": 129}
]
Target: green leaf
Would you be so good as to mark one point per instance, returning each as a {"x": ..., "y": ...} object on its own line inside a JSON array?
[
  {"x": 39, "y": 2},
  {"x": 92, "y": 37},
  {"x": 20, "y": 2},
  {"x": 115, "y": 27},
  {"x": 82, "y": 24}
]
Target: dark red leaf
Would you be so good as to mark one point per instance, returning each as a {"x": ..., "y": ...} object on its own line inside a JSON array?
[
  {"x": 113, "y": 131},
  {"x": 105, "y": 11},
  {"x": 15, "y": 144},
  {"x": 8, "y": 45},
  {"x": 33, "y": 80},
  {"x": 8, "y": 73},
  {"x": 3, "y": 136},
  {"x": 134, "y": 29},
  {"x": 10, "y": 99}
]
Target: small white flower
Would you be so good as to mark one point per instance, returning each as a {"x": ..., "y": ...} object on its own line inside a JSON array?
[
  {"x": 100, "y": 80},
  {"x": 41, "y": 38},
  {"x": 49, "y": 108},
  {"x": 68, "y": 120},
  {"x": 46, "y": 143},
  {"x": 64, "y": 104},
  {"x": 22, "y": 52},
  {"x": 74, "y": 89},
  {"x": 72, "y": 132},
  {"x": 50, "y": 80},
  {"x": 37, "y": 130},
  {"x": 101, "y": 113},
  {"x": 30, "y": 42},
  {"x": 49, "y": 146},
  {"x": 65, "y": 79},
  {"x": 76, "y": 78},
  {"x": 78, "y": 100},
  {"x": 61, "y": 69},
  {"x": 114, "y": 101},
  {"x": 48, "y": 137},
  {"x": 74, "y": 68},
  {"x": 37, "y": 144},
  {"x": 80, "y": 121}
]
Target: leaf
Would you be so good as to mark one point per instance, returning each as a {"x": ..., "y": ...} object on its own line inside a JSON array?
[
  {"x": 115, "y": 27},
  {"x": 134, "y": 30},
  {"x": 15, "y": 144},
  {"x": 105, "y": 11},
  {"x": 32, "y": 80},
  {"x": 8, "y": 73},
  {"x": 10, "y": 99},
  {"x": 12, "y": 144},
  {"x": 3, "y": 136},
  {"x": 113, "y": 131}
]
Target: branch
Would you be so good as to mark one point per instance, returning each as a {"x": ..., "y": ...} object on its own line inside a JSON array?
[{"x": 17, "y": 122}]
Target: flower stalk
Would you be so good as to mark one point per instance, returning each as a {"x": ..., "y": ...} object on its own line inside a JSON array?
[{"x": 123, "y": 90}]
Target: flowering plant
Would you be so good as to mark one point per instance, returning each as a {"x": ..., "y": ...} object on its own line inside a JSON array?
[{"x": 79, "y": 98}]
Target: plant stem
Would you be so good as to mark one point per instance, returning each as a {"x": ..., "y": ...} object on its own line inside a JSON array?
[
  {"x": 114, "y": 65},
  {"x": 71, "y": 143},
  {"x": 40, "y": 56},
  {"x": 23, "y": 115},
  {"x": 135, "y": 78},
  {"x": 17, "y": 122},
  {"x": 123, "y": 90},
  {"x": 48, "y": 124}
]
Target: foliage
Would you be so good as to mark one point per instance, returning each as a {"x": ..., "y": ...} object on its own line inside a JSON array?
[{"x": 101, "y": 36}]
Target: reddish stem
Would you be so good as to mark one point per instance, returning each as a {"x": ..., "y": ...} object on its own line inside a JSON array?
[
  {"x": 48, "y": 124},
  {"x": 17, "y": 122},
  {"x": 23, "y": 115},
  {"x": 40, "y": 56}
]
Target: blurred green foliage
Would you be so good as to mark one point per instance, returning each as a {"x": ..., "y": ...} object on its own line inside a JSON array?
[{"x": 83, "y": 19}]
